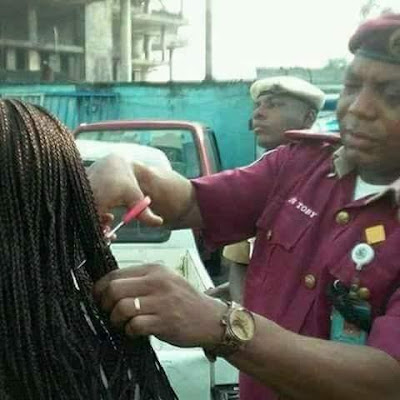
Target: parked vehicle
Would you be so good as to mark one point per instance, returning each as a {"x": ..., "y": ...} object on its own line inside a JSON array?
[
  {"x": 191, "y": 374},
  {"x": 327, "y": 121},
  {"x": 190, "y": 147}
]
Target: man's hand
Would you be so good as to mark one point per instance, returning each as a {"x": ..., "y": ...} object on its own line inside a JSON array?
[
  {"x": 106, "y": 220},
  {"x": 114, "y": 184},
  {"x": 169, "y": 307}
]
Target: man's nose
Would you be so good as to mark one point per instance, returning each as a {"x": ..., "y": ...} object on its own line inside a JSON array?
[
  {"x": 259, "y": 113},
  {"x": 364, "y": 105}
]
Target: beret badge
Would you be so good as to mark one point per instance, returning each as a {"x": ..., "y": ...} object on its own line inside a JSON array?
[{"x": 394, "y": 45}]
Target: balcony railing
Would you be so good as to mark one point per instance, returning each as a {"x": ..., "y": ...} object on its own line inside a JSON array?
[{"x": 26, "y": 44}]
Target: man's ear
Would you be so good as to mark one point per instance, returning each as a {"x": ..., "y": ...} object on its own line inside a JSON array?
[{"x": 309, "y": 118}]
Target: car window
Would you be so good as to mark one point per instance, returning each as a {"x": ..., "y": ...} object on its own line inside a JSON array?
[{"x": 177, "y": 144}]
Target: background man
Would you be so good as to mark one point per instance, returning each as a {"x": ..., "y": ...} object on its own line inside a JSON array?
[
  {"x": 281, "y": 103},
  {"x": 323, "y": 219}
]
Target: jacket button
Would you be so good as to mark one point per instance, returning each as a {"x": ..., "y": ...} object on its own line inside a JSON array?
[
  {"x": 310, "y": 281},
  {"x": 364, "y": 293},
  {"x": 342, "y": 217},
  {"x": 269, "y": 235}
]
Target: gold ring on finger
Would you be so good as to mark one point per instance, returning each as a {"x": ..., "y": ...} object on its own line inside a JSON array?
[{"x": 136, "y": 303}]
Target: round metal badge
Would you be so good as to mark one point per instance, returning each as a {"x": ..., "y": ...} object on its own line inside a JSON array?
[{"x": 362, "y": 254}]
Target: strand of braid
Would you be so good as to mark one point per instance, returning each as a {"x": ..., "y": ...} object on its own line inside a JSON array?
[{"x": 55, "y": 342}]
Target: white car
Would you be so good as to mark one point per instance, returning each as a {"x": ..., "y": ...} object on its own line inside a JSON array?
[{"x": 192, "y": 376}]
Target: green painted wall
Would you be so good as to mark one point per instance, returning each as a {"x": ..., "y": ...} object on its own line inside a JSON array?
[{"x": 223, "y": 106}]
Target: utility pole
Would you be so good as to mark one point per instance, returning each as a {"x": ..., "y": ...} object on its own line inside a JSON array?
[
  {"x": 209, "y": 69},
  {"x": 171, "y": 63},
  {"x": 126, "y": 41}
]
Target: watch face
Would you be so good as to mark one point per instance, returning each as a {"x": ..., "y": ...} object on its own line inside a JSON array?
[{"x": 242, "y": 324}]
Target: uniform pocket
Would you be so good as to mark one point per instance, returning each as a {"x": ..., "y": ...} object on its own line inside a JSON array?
[
  {"x": 287, "y": 228},
  {"x": 278, "y": 266},
  {"x": 276, "y": 240}
]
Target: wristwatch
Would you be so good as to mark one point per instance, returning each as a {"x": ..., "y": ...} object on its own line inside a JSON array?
[{"x": 239, "y": 328}]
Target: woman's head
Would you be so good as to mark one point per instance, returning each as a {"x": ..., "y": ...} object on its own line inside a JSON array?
[{"x": 54, "y": 342}]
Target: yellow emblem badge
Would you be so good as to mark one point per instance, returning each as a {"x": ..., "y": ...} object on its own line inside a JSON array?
[{"x": 375, "y": 234}]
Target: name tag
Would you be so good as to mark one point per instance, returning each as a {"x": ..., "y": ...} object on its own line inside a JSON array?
[{"x": 302, "y": 207}]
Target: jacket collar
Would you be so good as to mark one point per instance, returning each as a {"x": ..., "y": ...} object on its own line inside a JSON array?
[{"x": 343, "y": 166}]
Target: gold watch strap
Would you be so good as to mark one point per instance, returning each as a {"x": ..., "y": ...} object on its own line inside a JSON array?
[{"x": 227, "y": 346}]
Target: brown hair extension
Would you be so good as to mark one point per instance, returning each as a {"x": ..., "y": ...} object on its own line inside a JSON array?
[{"x": 55, "y": 343}]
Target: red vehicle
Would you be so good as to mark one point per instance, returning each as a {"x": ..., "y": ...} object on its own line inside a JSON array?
[{"x": 191, "y": 148}]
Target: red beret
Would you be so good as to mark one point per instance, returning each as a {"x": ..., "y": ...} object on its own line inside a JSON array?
[{"x": 378, "y": 38}]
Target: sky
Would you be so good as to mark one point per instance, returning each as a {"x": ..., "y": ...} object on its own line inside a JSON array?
[{"x": 266, "y": 33}]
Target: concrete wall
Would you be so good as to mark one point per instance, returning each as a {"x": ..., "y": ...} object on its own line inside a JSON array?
[
  {"x": 14, "y": 27},
  {"x": 99, "y": 41},
  {"x": 66, "y": 24}
]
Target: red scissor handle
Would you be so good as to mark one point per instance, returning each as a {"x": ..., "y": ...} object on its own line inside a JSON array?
[{"x": 136, "y": 210}]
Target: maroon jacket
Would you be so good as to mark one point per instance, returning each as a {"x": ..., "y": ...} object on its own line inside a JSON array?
[{"x": 297, "y": 201}]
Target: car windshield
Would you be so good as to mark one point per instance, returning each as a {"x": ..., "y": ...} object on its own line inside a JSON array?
[{"x": 177, "y": 144}]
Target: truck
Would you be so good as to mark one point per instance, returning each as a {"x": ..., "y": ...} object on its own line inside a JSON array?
[
  {"x": 190, "y": 147},
  {"x": 191, "y": 374}
]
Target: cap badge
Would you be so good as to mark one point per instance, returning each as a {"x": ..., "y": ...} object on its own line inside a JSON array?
[{"x": 394, "y": 44}]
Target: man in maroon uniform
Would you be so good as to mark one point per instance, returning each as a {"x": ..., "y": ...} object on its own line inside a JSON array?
[
  {"x": 281, "y": 103},
  {"x": 325, "y": 220}
]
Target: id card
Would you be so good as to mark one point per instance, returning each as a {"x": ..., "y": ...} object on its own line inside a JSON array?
[{"x": 345, "y": 332}]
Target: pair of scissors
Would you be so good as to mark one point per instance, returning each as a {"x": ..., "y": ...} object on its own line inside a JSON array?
[{"x": 133, "y": 213}]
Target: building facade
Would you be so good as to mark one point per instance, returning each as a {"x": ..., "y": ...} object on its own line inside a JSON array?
[
  {"x": 41, "y": 40},
  {"x": 86, "y": 40}
]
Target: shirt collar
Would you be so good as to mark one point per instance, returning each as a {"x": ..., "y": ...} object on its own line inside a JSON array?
[{"x": 342, "y": 166}]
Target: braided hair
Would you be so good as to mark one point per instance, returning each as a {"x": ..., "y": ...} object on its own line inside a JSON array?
[{"x": 55, "y": 343}]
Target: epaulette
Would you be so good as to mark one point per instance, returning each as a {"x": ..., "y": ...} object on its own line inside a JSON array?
[{"x": 307, "y": 134}]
